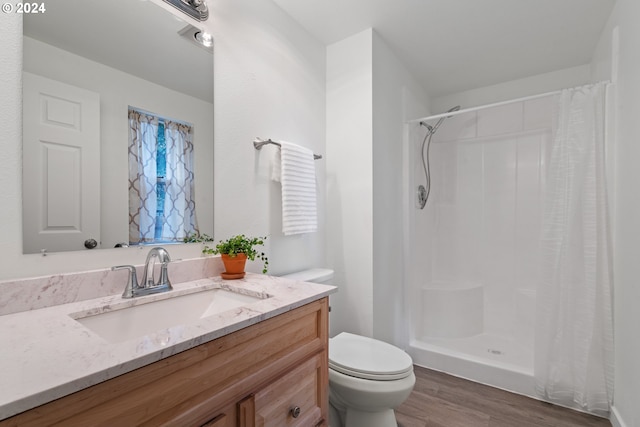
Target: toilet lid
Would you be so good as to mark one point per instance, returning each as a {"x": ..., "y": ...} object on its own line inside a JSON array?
[{"x": 368, "y": 358}]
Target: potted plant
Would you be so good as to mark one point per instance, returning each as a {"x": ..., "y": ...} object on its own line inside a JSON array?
[{"x": 235, "y": 251}]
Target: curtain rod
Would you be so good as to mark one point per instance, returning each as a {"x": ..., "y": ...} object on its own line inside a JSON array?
[
  {"x": 149, "y": 113},
  {"x": 495, "y": 104}
]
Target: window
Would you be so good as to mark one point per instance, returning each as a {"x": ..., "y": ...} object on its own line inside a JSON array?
[{"x": 161, "y": 179}]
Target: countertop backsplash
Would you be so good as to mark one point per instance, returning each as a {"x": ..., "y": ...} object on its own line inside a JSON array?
[{"x": 46, "y": 291}]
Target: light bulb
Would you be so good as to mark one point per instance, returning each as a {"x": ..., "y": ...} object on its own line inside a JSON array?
[{"x": 204, "y": 38}]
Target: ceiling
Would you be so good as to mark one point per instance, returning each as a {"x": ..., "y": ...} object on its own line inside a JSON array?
[
  {"x": 147, "y": 43},
  {"x": 457, "y": 45}
]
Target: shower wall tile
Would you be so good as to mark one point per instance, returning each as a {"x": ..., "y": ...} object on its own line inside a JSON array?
[
  {"x": 443, "y": 160},
  {"x": 427, "y": 259},
  {"x": 469, "y": 204},
  {"x": 456, "y": 128},
  {"x": 445, "y": 259},
  {"x": 500, "y": 120},
  {"x": 538, "y": 113},
  {"x": 499, "y": 226},
  {"x": 416, "y": 165},
  {"x": 525, "y": 304},
  {"x": 528, "y": 209}
]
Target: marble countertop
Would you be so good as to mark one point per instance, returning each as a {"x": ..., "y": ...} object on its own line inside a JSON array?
[{"x": 45, "y": 354}]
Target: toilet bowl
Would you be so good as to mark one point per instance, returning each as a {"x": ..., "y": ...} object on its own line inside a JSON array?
[{"x": 368, "y": 378}]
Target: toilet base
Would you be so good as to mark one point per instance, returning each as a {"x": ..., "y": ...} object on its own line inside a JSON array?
[
  {"x": 366, "y": 403},
  {"x": 355, "y": 418},
  {"x": 340, "y": 416},
  {"x": 335, "y": 418}
]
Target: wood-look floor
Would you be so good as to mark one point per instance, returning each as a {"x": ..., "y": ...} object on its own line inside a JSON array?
[{"x": 441, "y": 400}]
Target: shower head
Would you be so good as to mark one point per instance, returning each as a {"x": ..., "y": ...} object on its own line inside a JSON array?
[
  {"x": 423, "y": 192},
  {"x": 433, "y": 129},
  {"x": 451, "y": 110},
  {"x": 428, "y": 126}
]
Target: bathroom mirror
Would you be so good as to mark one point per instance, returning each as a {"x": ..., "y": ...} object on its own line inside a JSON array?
[{"x": 85, "y": 64}]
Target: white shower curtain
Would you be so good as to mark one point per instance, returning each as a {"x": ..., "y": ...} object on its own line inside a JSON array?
[{"x": 574, "y": 325}]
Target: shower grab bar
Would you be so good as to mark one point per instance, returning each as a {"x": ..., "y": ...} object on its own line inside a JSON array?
[{"x": 259, "y": 143}]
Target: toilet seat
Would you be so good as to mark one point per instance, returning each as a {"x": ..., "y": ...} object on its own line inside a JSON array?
[{"x": 368, "y": 358}]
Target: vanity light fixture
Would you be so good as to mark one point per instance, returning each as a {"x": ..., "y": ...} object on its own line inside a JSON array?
[
  {"x": 198, "y": 37},
  {"x": 197, "y": 9},
  {"x": 204, "y": 38}
]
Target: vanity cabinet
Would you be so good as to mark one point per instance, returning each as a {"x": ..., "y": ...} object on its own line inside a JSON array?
[{"x": 274, "y": 373}]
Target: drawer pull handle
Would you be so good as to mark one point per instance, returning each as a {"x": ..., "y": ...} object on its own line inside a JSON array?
[{"x": 295, "y": 411}]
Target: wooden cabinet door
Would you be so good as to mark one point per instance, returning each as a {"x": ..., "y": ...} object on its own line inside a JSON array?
[
  {"x": 292, "y": 400},
  {"x": 247, "y": 412},
  {"x": 220, "y": 421}
]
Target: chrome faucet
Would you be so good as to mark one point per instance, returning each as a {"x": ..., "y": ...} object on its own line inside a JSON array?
[
  {"x": 148, "y": 285},
  {"x": 147, "y": 277}
]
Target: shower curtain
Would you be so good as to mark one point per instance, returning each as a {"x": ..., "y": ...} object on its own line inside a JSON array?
[{"x": 574, "y": 324}]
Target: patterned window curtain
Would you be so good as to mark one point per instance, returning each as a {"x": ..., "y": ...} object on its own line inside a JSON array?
[
  {"x": 143, "y": 134},
  {"x": 179, "y": 201}
]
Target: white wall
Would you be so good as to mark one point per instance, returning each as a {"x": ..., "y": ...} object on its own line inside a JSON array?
[
  {"x": 534, "y": 85},
  {"x": 626, "y": 219},
  {"x": 397, "y": 97},
  {"x": 269, "y": 81},
  {"x": 350, "y": 181},
  {"x": 369, "y": 96},
  {"x": 118, "y": 91}
]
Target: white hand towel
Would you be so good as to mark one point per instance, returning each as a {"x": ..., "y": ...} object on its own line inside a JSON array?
[
  {"x": 295, "y": 169},
  {"x": 276, "y": 167}
]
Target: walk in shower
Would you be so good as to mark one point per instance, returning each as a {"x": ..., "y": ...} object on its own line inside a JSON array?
[
  {"x": 473, "y": 272},
  {"x": 486, "y": 241}
]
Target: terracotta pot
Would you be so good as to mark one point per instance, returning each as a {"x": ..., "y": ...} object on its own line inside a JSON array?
[{"x": 234, "y": 266}]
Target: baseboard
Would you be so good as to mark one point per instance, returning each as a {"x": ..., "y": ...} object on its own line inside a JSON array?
[{"x": 616, "y": 419}]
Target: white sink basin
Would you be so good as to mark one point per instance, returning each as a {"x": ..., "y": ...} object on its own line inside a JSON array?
[{"x": 140, "y": 320}]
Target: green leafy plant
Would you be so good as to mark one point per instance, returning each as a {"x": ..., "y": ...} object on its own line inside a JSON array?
[
  {"x": 240, "y": 244},
  {"x": 197, "y": 238}
]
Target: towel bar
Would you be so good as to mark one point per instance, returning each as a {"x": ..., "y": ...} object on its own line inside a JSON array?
[{"x": 259, "y": 143}]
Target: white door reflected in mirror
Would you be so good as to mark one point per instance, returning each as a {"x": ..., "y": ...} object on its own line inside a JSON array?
[{"x": 61, "y": 165}]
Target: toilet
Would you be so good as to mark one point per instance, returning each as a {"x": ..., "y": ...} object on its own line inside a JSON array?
[{"x": 368, "y": 378}]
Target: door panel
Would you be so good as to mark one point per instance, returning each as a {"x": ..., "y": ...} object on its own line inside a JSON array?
[{"x": 61, "y": 165}]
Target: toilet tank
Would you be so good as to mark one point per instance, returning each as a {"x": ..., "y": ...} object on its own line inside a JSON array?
[{"x": 314, "y": 275}]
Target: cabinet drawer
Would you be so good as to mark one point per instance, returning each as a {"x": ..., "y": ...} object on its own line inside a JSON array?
[{"x": 294, "y": 399}]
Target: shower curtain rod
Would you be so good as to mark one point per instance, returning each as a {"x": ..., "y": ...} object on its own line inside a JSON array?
[{"x": 495, "y": 104}]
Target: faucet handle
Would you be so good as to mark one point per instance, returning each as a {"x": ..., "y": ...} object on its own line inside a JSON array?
[{"x": 132, "y": 283}]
